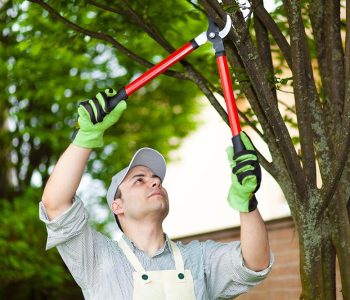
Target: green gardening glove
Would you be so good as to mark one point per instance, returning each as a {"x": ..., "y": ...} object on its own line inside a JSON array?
[
  {"x": 95, "y": 116},
  {"x": 245, "y": 178}
]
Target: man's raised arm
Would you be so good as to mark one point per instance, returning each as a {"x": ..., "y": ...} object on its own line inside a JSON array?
[
  {"x": 64, "y": 180},
  {"x": 254, "y": 241},
  {"x": 246, "y": 178},
  {"x": 95, "y": 116}
]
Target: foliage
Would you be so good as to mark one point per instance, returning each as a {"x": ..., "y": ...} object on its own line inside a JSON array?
[
  {"x": 28, "y": 270},
  {"x": 46, "y": 70}
]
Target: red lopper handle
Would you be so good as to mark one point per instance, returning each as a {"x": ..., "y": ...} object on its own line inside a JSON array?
[
  {"x": 228, "y": 95},
  {"x": 160, "y": 68},
  {"x": 230, "y": 100}
]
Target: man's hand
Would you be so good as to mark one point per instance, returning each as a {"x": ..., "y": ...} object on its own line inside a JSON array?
[
  {"x": 95, "y": 117},
  {"x": 246, "y": 176}
]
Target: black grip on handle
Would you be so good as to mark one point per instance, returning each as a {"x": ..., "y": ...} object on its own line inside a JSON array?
[
  {"x": 114, "y": 101},
  {"x": 238, "y": 145}
]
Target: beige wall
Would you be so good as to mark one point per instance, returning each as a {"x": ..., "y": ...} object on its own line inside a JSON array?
[{"x": 284, "y": 280}]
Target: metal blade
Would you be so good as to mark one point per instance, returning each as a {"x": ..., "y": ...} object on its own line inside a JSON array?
[{"x": 227, "y": 27}]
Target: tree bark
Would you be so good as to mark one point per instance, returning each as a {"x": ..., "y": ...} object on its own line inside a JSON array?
[
  {"x": 263, "y": 46},
  {"x": 341, "y": 234},
  {"x": 6, "y": 190},
  {"x": 317, "y": 15},
  {"x": 328, "y": 260},
  {"x": 310, "y": 259},
  {"x": 272, "y": 27}
]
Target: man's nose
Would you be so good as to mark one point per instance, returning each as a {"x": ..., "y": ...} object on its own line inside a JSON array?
[{"x": 155, "y": 182}]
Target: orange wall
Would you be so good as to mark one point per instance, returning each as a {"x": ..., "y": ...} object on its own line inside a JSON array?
[{"x": 284, "y": 280}]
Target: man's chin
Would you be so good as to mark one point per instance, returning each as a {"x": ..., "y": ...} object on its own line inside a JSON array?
[
  {"x": 158, "y": 198},
  {"x": 161, "y": 206}
]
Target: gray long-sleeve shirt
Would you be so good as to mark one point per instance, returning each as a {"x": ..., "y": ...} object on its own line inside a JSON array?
[{"x": 102, "y": 271}]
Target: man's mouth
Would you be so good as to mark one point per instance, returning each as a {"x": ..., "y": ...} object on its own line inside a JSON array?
[{"x": 156, "y": 193}]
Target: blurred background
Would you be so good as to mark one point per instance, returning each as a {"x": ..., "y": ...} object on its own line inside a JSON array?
[{"x": 46, "y": 69}]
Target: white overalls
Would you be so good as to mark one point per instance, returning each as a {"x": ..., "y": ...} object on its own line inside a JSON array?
[{"x": 160, "y": 285}]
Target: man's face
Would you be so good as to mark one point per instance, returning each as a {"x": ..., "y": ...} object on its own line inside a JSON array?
[{"x": 143, "y": 196}]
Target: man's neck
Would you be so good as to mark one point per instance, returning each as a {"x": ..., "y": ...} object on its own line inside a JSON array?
[{"x": 147, "y": 238}]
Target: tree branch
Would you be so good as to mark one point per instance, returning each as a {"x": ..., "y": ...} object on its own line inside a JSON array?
[
  {"x": 300, "y": 79},
  {"x": 335, "y": 53},
  {"x": 263, "y": 46},
  {"x": 325, "y": 20},
  {"x": 342, "y": 151},
  {"x": 102, "y": 36},
  {"x": 304, "y": 72},
  {"x": 115, "y": 10},
  {"x": 19, "y": 162},
  {"x": 272, "y": 27},
  {"x": 137, "y": 19},
  {"x": 346, "y": 110},
  {"x": 317, "y": 17},
  {"x": 197, "y": 7}
]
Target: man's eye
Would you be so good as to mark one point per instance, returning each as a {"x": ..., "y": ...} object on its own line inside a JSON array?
[{"x": 139, "y": 180}]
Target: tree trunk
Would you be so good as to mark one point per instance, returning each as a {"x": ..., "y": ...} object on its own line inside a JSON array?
[
  {"x": 5, "y": 138},
  {"x": 321, "y": 240},
  {"x": 310, "y": 242},
  {"x": 341, "y": 236}
]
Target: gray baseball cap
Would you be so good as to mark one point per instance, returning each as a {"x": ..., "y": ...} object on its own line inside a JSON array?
[{"x": 147, "y": 157}]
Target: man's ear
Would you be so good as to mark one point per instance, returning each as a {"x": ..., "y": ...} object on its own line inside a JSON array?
[{"x": 117, "y": 206}]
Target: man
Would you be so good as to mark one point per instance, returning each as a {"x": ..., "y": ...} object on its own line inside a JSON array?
[{"x": 144, "y": 263}]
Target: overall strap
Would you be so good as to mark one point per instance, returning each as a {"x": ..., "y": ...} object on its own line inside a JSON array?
[
  {"x": 179, "y": 264},
  {"x": 131, "y": 256}
]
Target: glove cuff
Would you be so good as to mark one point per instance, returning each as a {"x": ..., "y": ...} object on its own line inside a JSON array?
[
  {"x": 89, "y": 139},
  {"x": 253, "y": 204}
]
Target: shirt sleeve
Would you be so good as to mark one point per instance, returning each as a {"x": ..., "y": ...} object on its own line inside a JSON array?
[
  {"x": 226, "y": 275},
  {"x": 75, "y": 240}
]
